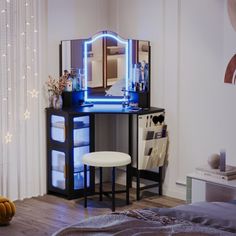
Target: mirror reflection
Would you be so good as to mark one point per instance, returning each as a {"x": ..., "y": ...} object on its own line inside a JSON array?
[{"x": 107, "y": 61}]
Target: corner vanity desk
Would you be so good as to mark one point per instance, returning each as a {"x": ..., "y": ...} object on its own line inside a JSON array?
[
  {"x": 73, "y": 132},
  {"x": 106, "y": 107}
]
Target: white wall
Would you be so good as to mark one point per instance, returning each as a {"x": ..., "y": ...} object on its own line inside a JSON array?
[
  {"x": 206, "y": 109},
  {"x": 73, "y": 19},
  {"x": 191, "y": 46}
]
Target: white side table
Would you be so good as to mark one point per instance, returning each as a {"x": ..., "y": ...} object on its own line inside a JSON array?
[{"x": 210, "y": 189}]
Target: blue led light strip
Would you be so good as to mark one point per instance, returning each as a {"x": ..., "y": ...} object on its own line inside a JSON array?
[{"x": 86, "y": 68}]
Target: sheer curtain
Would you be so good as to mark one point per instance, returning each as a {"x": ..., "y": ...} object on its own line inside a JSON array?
[{"x": 22, "y": 76}]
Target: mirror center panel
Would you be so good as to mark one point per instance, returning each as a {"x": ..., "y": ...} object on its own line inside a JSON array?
[{"x": 106, "y": 67}]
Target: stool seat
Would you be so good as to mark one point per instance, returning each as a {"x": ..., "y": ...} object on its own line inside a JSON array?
[{"x": 106, "y": 159}]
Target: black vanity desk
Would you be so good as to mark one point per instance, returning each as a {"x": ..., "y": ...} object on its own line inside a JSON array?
[{"x": 68, "y": 189}]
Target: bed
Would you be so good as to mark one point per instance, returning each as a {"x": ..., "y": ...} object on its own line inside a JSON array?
[{"x": 204, "y": 218}]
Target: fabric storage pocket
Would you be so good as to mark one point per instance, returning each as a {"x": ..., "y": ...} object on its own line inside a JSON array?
[{"x": 154, "y": 153}]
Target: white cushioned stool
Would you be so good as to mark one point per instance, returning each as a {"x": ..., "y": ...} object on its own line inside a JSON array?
[{"x": 107, "y": 159}]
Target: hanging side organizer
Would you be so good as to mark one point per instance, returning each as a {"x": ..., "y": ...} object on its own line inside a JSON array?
[{"x": 152, "y": 142}]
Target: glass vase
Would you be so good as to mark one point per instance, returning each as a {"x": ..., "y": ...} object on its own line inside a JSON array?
[{"x": 57, "y": 102}]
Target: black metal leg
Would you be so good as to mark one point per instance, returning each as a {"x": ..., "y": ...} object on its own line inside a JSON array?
[
  {"x": 127, "y": 183},
  {"x": 160, "y": 180},
  {"x": 138, "y": 186},
  {"x": 113, "y": 187},
  {"x": 100, "y": 185},
  {"x": 85, "y": 186}
]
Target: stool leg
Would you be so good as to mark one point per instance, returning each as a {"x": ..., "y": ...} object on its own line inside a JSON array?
[
  {"x": 160, "y": 180},
  {"x": 113, "y": 187},
  {"x": 100, "y": 185},
  {"x": 127, "y": 183},
  {"x": 85, "y": 186},
  {"x": 138, "y": 186}
]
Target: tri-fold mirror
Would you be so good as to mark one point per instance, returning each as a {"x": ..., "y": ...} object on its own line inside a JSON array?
[{"x": 108, "y": 64}]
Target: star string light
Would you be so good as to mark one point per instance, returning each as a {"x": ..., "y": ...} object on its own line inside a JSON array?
[
  {"x": 34, "y": 93},
  {"x": 27, "y": 114},
  {"x": 8, "y": 137}
]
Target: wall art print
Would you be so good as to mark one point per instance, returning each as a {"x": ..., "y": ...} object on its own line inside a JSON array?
[
  {"x": 231, "y": 5},
  {"x": 230, "y": 73}
]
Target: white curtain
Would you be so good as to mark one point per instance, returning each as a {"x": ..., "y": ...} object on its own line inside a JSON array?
[{"x": 22, "y": 76}]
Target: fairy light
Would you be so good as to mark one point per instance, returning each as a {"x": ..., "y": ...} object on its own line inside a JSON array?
[{"x": 29, "y": 43}]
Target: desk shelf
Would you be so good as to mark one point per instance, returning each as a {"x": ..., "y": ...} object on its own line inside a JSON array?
[
  {"x": 77, "y": 125},
  {"x": 68, "y": 139}
]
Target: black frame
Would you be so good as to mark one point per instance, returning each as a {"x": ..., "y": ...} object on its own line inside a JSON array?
[
  {"x": 113, "y": 191},
  {"x": 67, "y": 147}
]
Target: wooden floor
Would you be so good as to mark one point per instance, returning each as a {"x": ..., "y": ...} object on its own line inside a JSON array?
[{"x": 45, "y": 215}]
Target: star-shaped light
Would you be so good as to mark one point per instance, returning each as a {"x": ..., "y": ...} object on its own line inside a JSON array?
[
  {"x": 26, "y": 114},
  {"x": 34, "y": 93},
  {"x": 8, "y": 137}
]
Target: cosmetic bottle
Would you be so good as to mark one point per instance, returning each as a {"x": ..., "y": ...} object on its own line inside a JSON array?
[{"x": 222, "y": 160}]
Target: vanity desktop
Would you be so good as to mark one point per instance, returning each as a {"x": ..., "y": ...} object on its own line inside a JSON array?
[{"x": 108, "y": 111}]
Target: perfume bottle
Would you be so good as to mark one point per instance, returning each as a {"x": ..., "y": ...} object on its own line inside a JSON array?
[
  {"x": 69, "y": 84},
  {"x": 81, "y": 79},
  {"x": 146, "y": 77}
]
